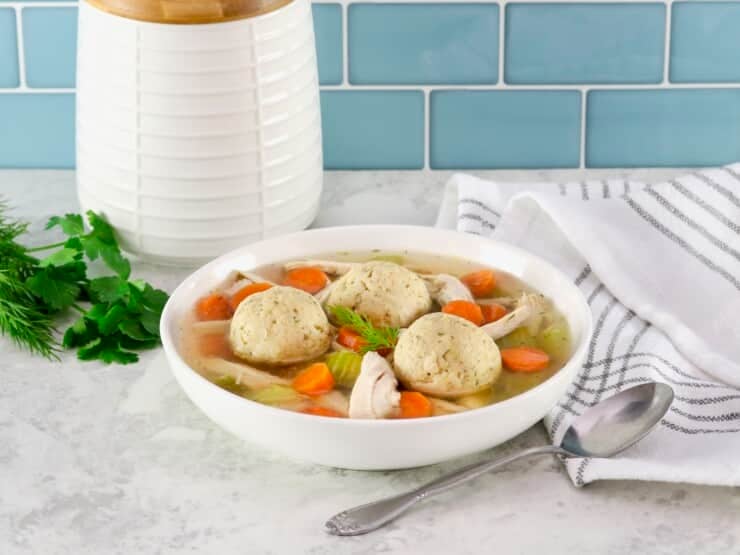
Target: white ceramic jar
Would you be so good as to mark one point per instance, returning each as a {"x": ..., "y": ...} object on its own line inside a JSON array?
[{"x": 194, "y": 139}]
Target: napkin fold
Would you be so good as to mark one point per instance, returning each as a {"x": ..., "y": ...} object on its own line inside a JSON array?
[{"x": 660, "y": 267}]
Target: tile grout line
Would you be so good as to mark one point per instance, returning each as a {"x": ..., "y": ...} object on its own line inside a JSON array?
[
  {"x": 345, "y": 45},
  {"x": 501, "y": 41},
  {"x": 22, "y": 86},
  {"x": 582, "y": 145},
  {"x": 427, "y": 98},
  {"x": 537, "y": 87},
  {"x": 667, "y": 46},
  {"x": 491, "y": 87}
]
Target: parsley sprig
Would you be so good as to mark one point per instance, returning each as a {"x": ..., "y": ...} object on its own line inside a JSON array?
[
  {"x": 117, "y": 316},
  {"x": 375, "y": 338}
]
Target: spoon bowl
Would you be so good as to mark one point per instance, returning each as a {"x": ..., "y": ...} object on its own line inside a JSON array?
[
  {"x": 614, "y": 424},
  {"x": 601, "y": 431}
]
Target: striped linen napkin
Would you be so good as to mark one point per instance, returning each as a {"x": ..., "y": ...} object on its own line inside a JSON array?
[{"x": 660, "y": 267}]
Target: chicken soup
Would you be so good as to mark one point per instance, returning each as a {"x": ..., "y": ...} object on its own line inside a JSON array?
[{"x": 375, "y": 335}]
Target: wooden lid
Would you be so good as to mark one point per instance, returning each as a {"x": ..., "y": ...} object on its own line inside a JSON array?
[{"x": 188, "y": 11}]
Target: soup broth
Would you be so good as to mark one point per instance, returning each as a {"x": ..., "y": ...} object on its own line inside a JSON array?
[{"x": 327, "y": 379}]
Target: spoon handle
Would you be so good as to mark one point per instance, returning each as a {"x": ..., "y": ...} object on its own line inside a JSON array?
[{"x": 369, "y": 517}]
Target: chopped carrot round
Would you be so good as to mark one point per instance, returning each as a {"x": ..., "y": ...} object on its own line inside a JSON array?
[
  {"x": 415, "y": 405},
  {"x": 214, "y": 345},
  {"x": 492, "y": 312},
  {"x": 481, "y": 283},
  {"x": 465, "y": 309},
  {"x": 321, "y": 411},
  {"x": 213, "y": 307},
  {"x": 525, "y": 359},
  {"x": 314, "y": 380},
  {"x": 311, "y": 280},
  {"x": 350, "y": 339},
  {"x": 246, "y": 291}
]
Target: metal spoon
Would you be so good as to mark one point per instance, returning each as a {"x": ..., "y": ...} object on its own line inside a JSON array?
[{"x": 602, "y": 431}]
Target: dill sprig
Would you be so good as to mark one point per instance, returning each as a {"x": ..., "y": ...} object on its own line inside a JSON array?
[
  {"x": 14, "y": 258},
  {"x": 23, "y": 320},
  {"x": 375, "y": 338}
]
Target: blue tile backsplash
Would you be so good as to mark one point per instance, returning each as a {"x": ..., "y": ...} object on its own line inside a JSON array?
[
  {"x": 685, "y": 127},
  {"x": 373, "y": 129},
  {"x": 454, "y": 84},
  {"x": 584, "y": 43},
  {"x": 8, "y": 49},
  {"x": 706, "y": 45},
  {"x": 327, "y": 22},
  {"x": 505, "y": 129},
  {"x": 37, "y": 130},
  {"x": 50, "y": 46},
  {"x": 411, "y": 44}
]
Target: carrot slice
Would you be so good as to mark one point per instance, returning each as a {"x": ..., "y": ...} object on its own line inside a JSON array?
[
  {"x": 481, "y": 283},
  {"x": 246, "y": 291},
  {"x": 492, "y": 312},
  {"x": 314, "y": 380},
  {"x": 415, "y": 405},
  {"x": 525, "y": 359},
  {"x": 213, "y": 307},
  {"x": 355, "y": 342},
  {"x": 311, "y": 280},
  {"x": 214, "y": 345},
  {"x": 350, "y": 339},
  {"x": 465, "y": 309},
  {"x": 321, "y": 411}
]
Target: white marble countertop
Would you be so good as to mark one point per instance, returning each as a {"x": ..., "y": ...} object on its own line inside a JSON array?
[{"x": 97, "y": 459}]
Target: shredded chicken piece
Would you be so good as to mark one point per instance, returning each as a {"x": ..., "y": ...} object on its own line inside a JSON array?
[
  {"x": 332, "y": 267},
  {"x": 322, "y": 295},
  {"x": 445, "y": 288},
  {"x": 508, "y": 302},
  {"x": 335, "y": 400},
  {"x": 375, "y": 393},
  {"x": 251, "y": 277},
  {"x": 237, "y": 286},
  {"x": 244, "y": 374},
  {"x": 528, "y": 312}
]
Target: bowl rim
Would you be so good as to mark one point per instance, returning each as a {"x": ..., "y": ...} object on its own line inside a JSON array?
[{"x": 173, "y": 355}]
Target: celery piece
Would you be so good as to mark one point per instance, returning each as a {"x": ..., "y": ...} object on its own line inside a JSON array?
[
  {"x": 275, "y": 395},
  {"x": 555, "y": 340},
  {"x": 520, "y": 337},
  {"x": 345, "y": 367},
  {"x": 229, "y": 384}
]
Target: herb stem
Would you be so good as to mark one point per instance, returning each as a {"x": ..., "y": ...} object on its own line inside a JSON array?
[
  {"x": 78, "y": 308},
  {"x": 47, "y": 247}
]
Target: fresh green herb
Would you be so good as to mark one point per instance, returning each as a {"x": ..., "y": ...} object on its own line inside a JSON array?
[
  {"x": 99, "y": 242},
  {"x": 122, "y": 316},
  {"x": 375, "y": 338},
  {"x": 23, "y": 320}
]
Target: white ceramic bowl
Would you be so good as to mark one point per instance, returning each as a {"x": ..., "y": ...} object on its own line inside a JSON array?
[{"x": 380, "y": 444}]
